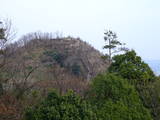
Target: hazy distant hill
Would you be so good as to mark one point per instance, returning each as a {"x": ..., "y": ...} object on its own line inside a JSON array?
[{"x": 155, "y": 65}]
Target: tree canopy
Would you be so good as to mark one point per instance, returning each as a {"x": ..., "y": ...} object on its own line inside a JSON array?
[
  {"x": 131, "y": 67},
  {"x": 116, "y": 99},
  {"x": 61, "y": 107}
]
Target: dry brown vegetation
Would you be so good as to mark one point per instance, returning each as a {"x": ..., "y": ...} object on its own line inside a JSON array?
[{"x": 38, "y": 62}]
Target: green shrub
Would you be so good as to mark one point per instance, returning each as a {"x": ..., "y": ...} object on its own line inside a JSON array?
[
  {"x": 76, "y": 69},
  {"x": 58, "y": 57},
  {"x": 57, "y": 107}
]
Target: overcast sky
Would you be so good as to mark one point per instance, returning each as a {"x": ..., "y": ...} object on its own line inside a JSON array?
[{"x": 136, "y": 22}]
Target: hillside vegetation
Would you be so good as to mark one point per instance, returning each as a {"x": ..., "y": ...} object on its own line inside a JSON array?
[
  {"x": 52, "y": 60},
  {"x": 39, "y": 62},
  {"x": 64, "y": 78}
]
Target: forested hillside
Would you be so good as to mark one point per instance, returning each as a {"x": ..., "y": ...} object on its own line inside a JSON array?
[{"x": 64, "y": 78}]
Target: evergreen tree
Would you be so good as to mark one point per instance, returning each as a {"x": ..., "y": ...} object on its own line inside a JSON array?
[
  {"x": 57, "y": 107},
  {"x": 115, "y": 99},
  {"x": 131, "y": 67},
  {"x": 112, "y": 44}
]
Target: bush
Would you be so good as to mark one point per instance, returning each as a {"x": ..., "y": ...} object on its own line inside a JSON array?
[
  {"x": 58, "y": 57},
  {"x": 76, "y": 69},
  {"x": 56, "y": 107}
]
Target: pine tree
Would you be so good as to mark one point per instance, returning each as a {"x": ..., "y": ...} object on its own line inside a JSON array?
[{"x": 112, "y": 44}]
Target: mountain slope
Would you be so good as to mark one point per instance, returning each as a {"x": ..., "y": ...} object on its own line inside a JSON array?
[{"x": 38, "y": 59}]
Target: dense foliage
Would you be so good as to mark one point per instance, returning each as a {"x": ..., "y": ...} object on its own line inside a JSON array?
[
  {"x": 138, "y": 73},
  {"x": 55, "y": 56},
  {"x": 57, "y": 107},
  {"x": 116, "y": 99},
  {"x": 150, "y": 96},
  {"x": 131, "y": 67}
]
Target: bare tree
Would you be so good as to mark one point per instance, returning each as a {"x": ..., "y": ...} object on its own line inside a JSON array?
[{"x": 7, "y": 33}]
